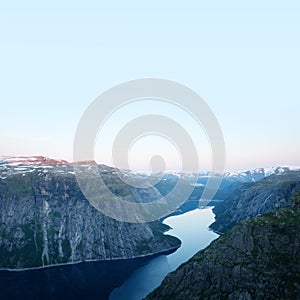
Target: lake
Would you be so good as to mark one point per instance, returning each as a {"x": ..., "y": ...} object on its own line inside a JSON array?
[{"x": 192, "y": 229}]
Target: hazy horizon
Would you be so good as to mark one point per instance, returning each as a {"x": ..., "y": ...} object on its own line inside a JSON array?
[{"x": 296, "y": 167}]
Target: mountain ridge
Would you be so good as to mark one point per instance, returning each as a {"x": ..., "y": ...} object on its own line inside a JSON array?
[{"x": 252, "y": 199}]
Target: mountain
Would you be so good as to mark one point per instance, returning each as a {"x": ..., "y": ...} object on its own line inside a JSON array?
[
  {"x": 252, "y": 199},
  {"x": 230, "y": 184},
  {"x": 257, "y": 174},
  {"x": 257, "y": 257},
  {"x": 231, "y": 177},
  {"x": 45, "y": 219}
]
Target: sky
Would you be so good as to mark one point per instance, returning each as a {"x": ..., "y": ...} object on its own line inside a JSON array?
[{"x": 241, "y": 57}]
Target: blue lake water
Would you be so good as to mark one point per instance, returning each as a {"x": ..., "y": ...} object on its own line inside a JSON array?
[
  {"x": 123, "y": 279},
  {"x": 192, "y": 229}
]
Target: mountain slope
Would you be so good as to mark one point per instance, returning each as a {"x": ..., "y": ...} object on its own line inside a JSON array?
[
  {"x": 257, "y": 259},
  {"x": 46, "y": 220},
  {"x": 252, "y": 199}
]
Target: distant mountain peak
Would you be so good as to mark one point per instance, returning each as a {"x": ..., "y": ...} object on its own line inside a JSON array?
[{"x": 32, "y": 160}]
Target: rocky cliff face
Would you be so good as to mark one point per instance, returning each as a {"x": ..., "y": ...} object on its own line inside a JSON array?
[
  {"x": 253, "y": 199},
  {"x": 257, "y": 259},
  {"x": 45, "y": 220}
]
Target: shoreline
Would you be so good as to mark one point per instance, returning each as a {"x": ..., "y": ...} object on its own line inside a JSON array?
[
  {"x": 151, "y": 255},
  {"x": 170, "y": 264}
]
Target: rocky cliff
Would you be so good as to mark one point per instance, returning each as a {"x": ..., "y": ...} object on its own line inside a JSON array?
[
  {"x": 45, "y": 220},
  {"x": 257, "y": 259},
  {"x": 252, "y": 199}
]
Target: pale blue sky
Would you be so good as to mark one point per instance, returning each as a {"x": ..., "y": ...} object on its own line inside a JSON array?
[{"x": 242, "y": 57}]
